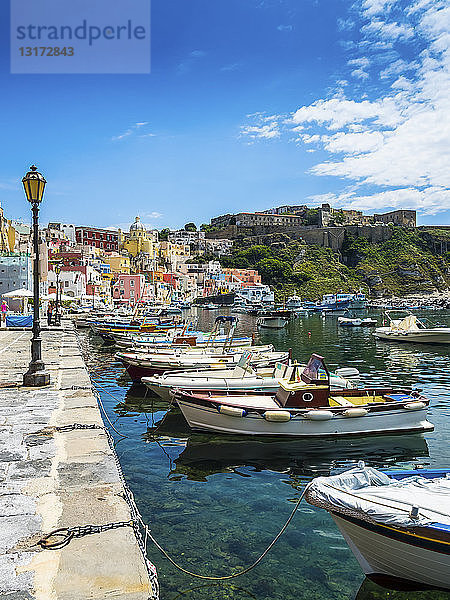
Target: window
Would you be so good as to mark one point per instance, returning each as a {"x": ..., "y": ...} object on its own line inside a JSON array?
[
  {"x": 132, "y": 283},
  {"x": 121, "y": 282}
]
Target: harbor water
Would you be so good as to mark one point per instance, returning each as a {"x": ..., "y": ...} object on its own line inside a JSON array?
[{"x": 215, "y": 502}]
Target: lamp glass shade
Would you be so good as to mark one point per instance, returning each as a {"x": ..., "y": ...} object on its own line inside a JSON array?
[{"x": 34, "y": 184}]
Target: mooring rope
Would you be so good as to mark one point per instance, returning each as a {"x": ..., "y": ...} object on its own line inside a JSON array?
[
  {"x": 232, "y": 575},
  {"x": 137, "y": 517}
]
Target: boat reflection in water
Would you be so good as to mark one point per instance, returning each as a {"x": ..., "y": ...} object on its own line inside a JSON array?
[
  {"x": 208, "y": 454},
  {"x": 386, "y": 588}
]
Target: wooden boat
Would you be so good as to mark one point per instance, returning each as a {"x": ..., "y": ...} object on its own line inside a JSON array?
[
  {"x": 242, "y": 378},
  {"x": 197, "y": 339},
  {"x": 412, "y": 329},
  {"x": 143, "y": 364},
  {"x": 306, "y": 408},
  {"x": 396, "y": 523}
]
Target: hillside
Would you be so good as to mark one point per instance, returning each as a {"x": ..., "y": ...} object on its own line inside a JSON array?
[{"x": 412, "y": 261}]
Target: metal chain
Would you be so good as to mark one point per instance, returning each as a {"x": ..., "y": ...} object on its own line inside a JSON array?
[{"x": 73, "y": 426}]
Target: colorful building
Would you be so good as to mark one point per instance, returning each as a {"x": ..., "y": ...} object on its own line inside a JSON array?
[
  {"x": 138, "y": 240},
  {"x": 104, "y": 239},
  {"x": 130, "y": 288},
  {"x": 118, "y": 263}
]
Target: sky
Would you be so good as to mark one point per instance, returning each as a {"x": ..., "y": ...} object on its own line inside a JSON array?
[{"x": 250, "y": 104}]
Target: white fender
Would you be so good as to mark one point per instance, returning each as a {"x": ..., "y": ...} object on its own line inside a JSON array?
[
  {"x": 232, "y": 411},
  {"x": 278, "y": 416},
  {"x": 355, "y": 412},
  {"x": 415, "y": 405},
  {"x": 319, "y": 415}
]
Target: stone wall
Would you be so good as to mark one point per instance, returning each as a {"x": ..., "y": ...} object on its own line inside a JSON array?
[{"x": 327, "y": 237}]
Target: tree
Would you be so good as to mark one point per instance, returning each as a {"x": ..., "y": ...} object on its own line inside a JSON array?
[
  {"x": 190, "y": 227},
  {"x": 164, "y": 234}
]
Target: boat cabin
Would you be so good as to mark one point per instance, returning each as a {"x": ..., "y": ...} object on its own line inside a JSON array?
[{"x": 309, "y": 388}]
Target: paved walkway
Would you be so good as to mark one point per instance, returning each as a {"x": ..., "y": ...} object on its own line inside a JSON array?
[{"x": 52, "y": 479}]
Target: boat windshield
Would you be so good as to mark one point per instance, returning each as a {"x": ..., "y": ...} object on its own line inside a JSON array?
[{"x": 315, "y": 369}]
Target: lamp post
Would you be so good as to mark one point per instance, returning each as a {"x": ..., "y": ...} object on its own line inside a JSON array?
[
  {"x": 57, "y": 268},
  {"x": 34, "y": 184}
]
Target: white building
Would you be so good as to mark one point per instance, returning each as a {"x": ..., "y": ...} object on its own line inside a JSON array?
[
  {"x": 72, "y": 283},
  {"x": 258, "y": 293},
  {"x": 215, "y": 247}
]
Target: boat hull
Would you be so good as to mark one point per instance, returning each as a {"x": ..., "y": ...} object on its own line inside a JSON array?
[
  {"x": 423, "y": 337},
  {"x": 389, "y": 421},
  {"x": 374, "y": 547}
]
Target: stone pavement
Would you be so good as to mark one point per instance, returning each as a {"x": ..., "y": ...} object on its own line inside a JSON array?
[{"x": 51, "y": 479}]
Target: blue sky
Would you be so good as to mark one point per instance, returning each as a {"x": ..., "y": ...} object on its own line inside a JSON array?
[{"x": 250, "y": 104}]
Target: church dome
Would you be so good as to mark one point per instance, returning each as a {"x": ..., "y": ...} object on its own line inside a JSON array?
[{"x": 137, "y": 225}]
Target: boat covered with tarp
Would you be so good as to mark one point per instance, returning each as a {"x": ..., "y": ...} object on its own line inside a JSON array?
[{"x": 397, "y": 523}]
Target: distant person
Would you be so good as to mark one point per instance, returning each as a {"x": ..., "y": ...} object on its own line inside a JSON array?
[
  {"x": 4, "y": 311},
  {"x": 49, "y": 313}
]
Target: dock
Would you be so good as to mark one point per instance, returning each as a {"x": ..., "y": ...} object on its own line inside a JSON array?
[{"x": 52, "y": 478}]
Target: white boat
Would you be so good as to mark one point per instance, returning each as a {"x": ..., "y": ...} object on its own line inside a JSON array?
[
  {"x": 397, "y": 524},
  {"x": 412, "y": 329},
  {"x": 306, "y": 408},
  {"x": 356, "y": 322},
  {"x": 143, "y": 364},
  {"x": 272, "y": 322},
  {"x": 242, "y": 378},
  {"x": 294, "y": 303}
]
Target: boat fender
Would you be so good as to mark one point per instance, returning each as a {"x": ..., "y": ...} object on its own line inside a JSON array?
[
  {"x": 415, "y": 405},
  {"x": 319, "y": 415},
  {"x": 232, "y": 411},
  {"x": 355, "y": 412},
  {"x": 277, "y": 416}
]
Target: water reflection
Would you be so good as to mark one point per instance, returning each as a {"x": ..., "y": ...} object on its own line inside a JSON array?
[{"x": 390, "y": 589}]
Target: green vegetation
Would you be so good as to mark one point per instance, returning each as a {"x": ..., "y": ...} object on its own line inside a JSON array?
[
  {"x": 190, "y": 227},
  {"x": 411, "y": 261}
]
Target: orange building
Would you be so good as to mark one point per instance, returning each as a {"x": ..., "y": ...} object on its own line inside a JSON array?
[{"x": 246, "y": 276}]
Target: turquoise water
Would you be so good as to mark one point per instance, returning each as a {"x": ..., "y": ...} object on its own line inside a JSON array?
[{"x": 215, "y": 502}]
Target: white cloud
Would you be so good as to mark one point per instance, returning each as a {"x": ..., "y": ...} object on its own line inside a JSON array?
[
  {"x": 388, "y": 31},
  {"x": 133, "y": 130},
  {"x": 395, "y": 145},
  {"x": 285, "y": 27},
  {"x": 267, "y": 132},
  {"x": 360, "y": 74},
  {"x": 375, "y": 7},
  {"x": 345, "y": 24},
  {"x": 362, "y": 62}
]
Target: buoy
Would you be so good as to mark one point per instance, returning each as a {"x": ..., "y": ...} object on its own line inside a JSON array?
[
  {"x": 232, "y": 411},
  {"x": 415, "y": 405},
  {"x": 277, "y": 416},
  {"x": 309, "y": 334},
  {"x": 319, "y": 415},
  {"x": 355, "y": 412}
]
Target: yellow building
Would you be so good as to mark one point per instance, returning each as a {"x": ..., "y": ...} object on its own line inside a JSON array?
[
  {"x": 172, "y": 255},
  {"x": 118, "y": 263},
  {"x": 138, "y": 240}
]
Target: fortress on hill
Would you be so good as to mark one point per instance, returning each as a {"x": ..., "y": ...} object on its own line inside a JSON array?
[{"x": 325, "y": 225}]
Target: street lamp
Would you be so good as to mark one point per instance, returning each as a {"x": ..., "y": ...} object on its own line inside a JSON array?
[
  {"x": 34, "y": 184},
  {"x": 57, "y": 268}
]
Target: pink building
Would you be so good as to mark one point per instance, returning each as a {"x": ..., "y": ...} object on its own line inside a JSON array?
[{"x": 130, "y": 288}]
